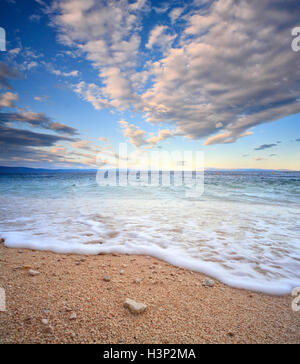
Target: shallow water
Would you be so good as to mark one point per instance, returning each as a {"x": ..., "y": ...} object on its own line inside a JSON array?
[{"x": 244, "y": 230}]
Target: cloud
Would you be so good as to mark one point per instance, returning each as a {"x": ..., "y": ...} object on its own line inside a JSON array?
[
  {"x": 159, "y": 37},
  {"x": 36, "y": 120},
  {"x": 104, "y": 140},
  {"x": 62, "y": 128},
  {"x": 175, "y": 14},
  {"x": 25, "y": 59},
  {"x": 229, "y": 70},
  {"x": 30, "y": 65},
  {"x": 65, "y": 74},
  {"x": 162, "y": 9},
  {"x": 137, "y": 138},
  {"x": 15, "y": 153},
  {"x": 298, "y": 140},
  {"x": 162, "y": 135},
  {"x": 41, "y": 98},
  {"x": 107, "y": 34},
  {"x": 7, "y": 73},
  {"x": 7, "y": 99},
  {"x": 224, "y": 71},
  {"x": 14, "y": 51},
  {"x": 258, "y": 159},
  {"x": 118, "y": 89},
  {"x": 135, "y": 135},
  {"x": 92, "y": 93},
  {"x": 57, "y": 72},
  {"x": 82, "y": 144},
  {"x": 13, "y": 136},
  {"x": 35, "y": 17},
  {"x": 225, "y": 138},
  {"x": 31, "y": 148},
  {"x": 265, "y": 146},
  {"x": 105, "y": 31}
]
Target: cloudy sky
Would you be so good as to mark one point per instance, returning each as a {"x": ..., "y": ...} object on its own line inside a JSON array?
[{"x": 78, "y": 77}]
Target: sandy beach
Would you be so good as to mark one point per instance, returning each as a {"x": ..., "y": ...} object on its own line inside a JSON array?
[{"x": 80, "y": 299}]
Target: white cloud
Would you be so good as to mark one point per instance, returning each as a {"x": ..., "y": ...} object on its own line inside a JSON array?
[
  {"x": 231, "y": 69},
  {"x": 40, "y": 98},
  {"x": 160, "y": 37},
  {"x": 104, "y": 140},
  {"x": 64, "y": 74},
  {"x": 91, "y": 93},
  {"x": 30, "y": 65},
  {"x": 137, "y": 136},
  {"x": 14, "y": 51},
  {"x": 175, "y": 14},
  {"x": 7, "y": 99}
]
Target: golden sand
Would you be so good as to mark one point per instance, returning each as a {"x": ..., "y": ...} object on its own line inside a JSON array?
[{"x": 70, "y": 302}]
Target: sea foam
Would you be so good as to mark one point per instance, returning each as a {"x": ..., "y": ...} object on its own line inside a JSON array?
[{"x": 243, "y": 239}]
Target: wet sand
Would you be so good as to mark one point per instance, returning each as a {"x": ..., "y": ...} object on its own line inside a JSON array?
[{"x": 70, "y": 302}]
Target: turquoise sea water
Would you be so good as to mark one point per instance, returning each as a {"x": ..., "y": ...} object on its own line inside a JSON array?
[{"x": 243, "y": 230}]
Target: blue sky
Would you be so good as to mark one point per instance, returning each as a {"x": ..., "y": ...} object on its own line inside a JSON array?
[{"x": 79, "y": 77}]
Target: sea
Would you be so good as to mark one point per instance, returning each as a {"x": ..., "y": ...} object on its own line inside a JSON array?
[{"x": 242, "y": 227}]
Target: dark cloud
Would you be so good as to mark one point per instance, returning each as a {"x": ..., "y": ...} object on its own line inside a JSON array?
[
  {"x": 298, "y": 140},
  {"x": 62, "y": 128},
  {"x": 27, "y": 148},
  {"x": 19, "y": 146},
  {"x": 12, "y": 136},
  {"x": 7, "y": 73},
  {"x": 39, "y": 120},
  {"x": 265, "y": 146},
  {"x": 19, "y": 155}
]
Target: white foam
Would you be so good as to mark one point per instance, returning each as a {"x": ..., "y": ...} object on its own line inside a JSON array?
[{"x": 241, "y": 244}]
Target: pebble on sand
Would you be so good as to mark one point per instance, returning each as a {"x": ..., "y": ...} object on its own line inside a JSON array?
[
  {"x": 208, "y": 282},
  {"x": 134, "y": 307},
  {"x": 73, "y": 316},
  {"x": 106, "y": 278},
  {"x": 48, "y": 329},
  {"x": 45, "y": 321},
  {"x": 32, "y": 272}
]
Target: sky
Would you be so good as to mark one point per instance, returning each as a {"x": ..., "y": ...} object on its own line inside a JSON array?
[{"x": 79, "y": 77}]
